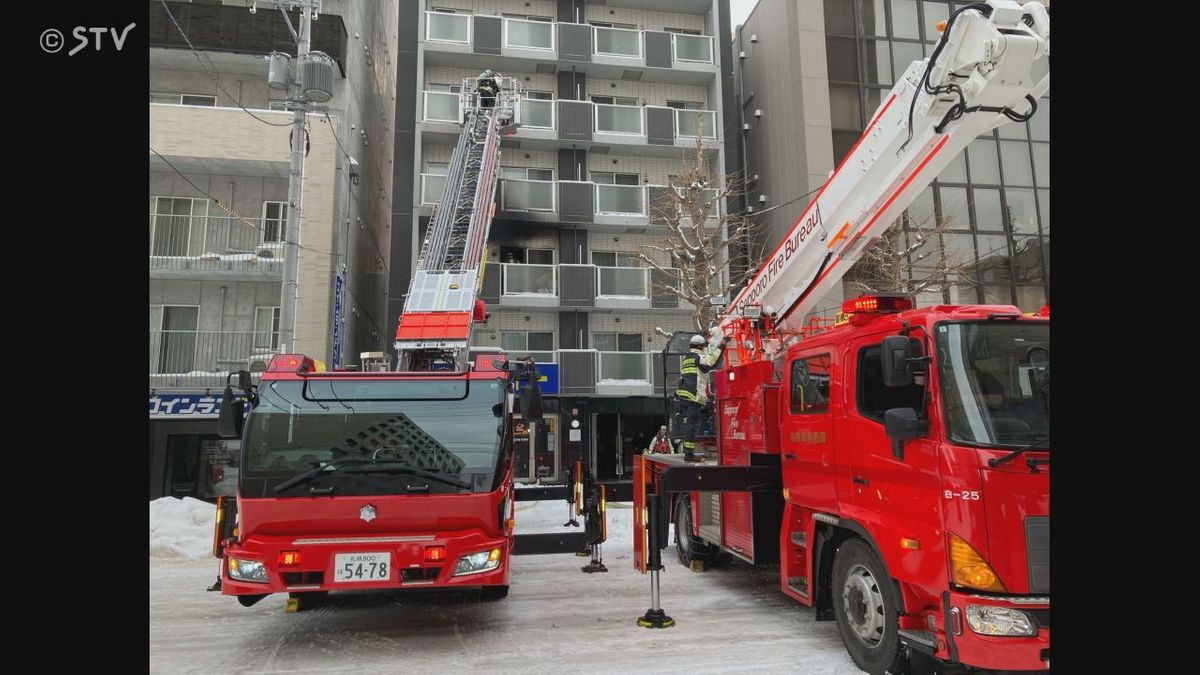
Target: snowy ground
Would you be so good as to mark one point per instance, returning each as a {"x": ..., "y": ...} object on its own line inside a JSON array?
[{"x": 556, "y": 619}]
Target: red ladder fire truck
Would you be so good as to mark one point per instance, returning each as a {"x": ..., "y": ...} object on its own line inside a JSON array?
[
  {"x": 895, "y": 466},
  {"x": 382, "y": 479}
]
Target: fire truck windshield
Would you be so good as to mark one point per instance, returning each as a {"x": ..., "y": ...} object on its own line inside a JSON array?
[
  {"x": 442, "y": 427},
  {"x": 995, "y": 382}
]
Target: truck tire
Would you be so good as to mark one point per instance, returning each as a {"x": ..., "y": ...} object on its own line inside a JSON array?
[
  {"x": 494, "y": 592},
  {"x": 689, "y": 547},
  {"x": 864, "y": 603}
]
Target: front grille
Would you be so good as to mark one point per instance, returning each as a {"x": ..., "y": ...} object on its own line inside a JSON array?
[
  {"x": 420, "y": 574},
  {"x": 1037, "y": 552},
  {"x": 294, "y": 578}
]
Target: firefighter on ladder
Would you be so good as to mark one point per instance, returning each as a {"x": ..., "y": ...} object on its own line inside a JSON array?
[
  {"x": 488, "y": 88},
  {"x": 691, "y": 395}
]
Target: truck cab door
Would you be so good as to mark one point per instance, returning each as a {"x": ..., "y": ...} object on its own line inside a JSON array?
[
  {"x": 899, "y": 497},
  {"x": 811, "y": 397}
]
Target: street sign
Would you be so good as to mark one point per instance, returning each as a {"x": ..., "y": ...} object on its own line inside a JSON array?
[
  {"x": 189, "y": 406},
  {"x": 548, "y": 378},
  {"x": 339, "y": 292}
]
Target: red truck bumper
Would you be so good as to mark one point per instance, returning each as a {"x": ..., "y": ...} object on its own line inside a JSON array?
[
  {"x": 387, "y": 562},
  {"x": 996, "y": 652}
]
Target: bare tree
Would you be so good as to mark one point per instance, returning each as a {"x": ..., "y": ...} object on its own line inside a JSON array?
[
  {"x": 912, "y": 261},
  {"x": 702, "y": 239}
]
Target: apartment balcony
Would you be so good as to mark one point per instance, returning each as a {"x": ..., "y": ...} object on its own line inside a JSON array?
[
  {"x": 654, "y": 131},
  {"x": 472, "y": 40},
  {"x": 604, "y": 207},
  {"x": 203, "y": 359},
  {"x": 590, "y": 372},
  {"x": 215, "y": 247},
  {"x": 520, "y": 286}
]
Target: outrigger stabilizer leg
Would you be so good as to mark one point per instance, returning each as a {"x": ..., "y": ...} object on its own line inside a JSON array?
[
  {"x": 594, "y": 528},
  {"x": 654, "y": 617}
]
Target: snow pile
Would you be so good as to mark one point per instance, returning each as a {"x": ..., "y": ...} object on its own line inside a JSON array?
[{"x": 181, "y": 528}]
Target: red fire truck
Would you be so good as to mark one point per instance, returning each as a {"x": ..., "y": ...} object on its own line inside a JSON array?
[
  {"x": 894, "y": 465},
  {"x": 382, "y": 478}
]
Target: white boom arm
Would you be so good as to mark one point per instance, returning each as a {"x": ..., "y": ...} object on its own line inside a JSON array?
[{"x": 979, "y": 79}]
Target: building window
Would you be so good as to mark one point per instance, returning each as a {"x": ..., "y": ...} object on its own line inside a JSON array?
[
  {"x": 683, "y": 31},
  {"x": 614, "y": 100},
  {"x": 176, "y": 337},
  {"x": 616, "y": 259},
  {"x": 810, "y": 385},
  {"x": 610, "y": 178},
  {"x": 610, "y": 24},
  {"x": 527, "y": 256},
  {"x": 266, "y": 328},
  {"x": 539, "y": 345},
  {"x": 178, "y": 226},
  {"x": 434, "y": 86},
  {"x": 904, "y": 20},
  {"x": 183, "y": 99},
  {"x": 686, "y": 105},
  {"x": 526, "y": 173},
  {"x": 538, "y": 95},
  {"x": 617, "y": 342},
  {"x": 274, "y": 222}
]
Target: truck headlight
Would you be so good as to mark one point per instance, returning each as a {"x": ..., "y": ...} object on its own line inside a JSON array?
[
  {"x": 991, "y": 620},
  {"x": 247, "y": 570},
  {"x": 474, "y": 563}
]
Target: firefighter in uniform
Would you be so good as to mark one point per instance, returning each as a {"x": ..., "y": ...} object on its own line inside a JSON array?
[
  {"x": 691, "y": 394},
  {"x": 487, "y": 88}
]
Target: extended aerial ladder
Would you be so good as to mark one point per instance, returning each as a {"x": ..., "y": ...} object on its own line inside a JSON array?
[
  {"x": 978, "y": 78},
  {"x": 434, "y": 331}
]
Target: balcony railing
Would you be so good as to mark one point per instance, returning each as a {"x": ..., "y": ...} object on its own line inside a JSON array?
[
  {"x": 618, "y": 42},
  {"x": 521, "y": 279},
  {"x": 624, "y": 366},
  {"x": 621, "y": 199},
  {"x": 528, "y": 195},
  {"x": 441, "y": 106},
  {"x": 687, "y": 121},
  {"x": 216, "y": 243},
  {"x": 535, "y": 197},
  {"x": 203, "y": 358},
  {"x": 624, "y": 43},
  {"x": 443, "y": 27},
  {"x": 627, "y": 121},
  {"x": 624, "y": 282},
  {"x": 620, "y": 119},
  {"x": 693, "y": 48},
  {"x": 538, "y": 113},
  {"x": 529, "y": 34}
]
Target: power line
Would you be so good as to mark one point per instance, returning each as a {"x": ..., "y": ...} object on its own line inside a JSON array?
[
  {"x": 209, "y": 71},
  {"x": 333, "y": 130}
]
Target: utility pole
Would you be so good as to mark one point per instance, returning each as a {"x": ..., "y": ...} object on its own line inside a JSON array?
[{"x": 291, "y": 259}]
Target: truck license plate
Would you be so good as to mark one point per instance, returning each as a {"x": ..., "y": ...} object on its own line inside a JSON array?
[{"x": 351, "y": 567}]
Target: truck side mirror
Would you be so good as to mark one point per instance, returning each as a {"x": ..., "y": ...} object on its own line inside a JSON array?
[
  {"x": 902, "y": 424},
  {"x": 894, "y": 351},
  {"x": 229, "y": 423},
  {"x": 244, "y": 381}
]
